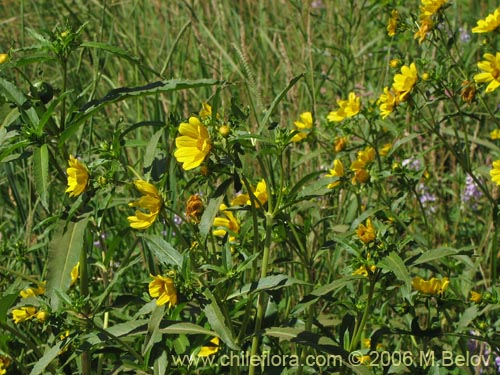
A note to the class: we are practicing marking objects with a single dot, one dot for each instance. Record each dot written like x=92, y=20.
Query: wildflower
x=194, y=208
x=32, y=292
x=423, y=29
x=495, y=134
x=426, y=198
x=75, y=271
x=432, y=286
x=394, y=63
x=4, y=364
x=468, y=92
x=22, y=314
x=4, y=57
x=366, y=233
x=475, y=297
x=41, y=316
x=495, y=172
x=490, y=23
x=229, y=222
x=413, y=164
x=337, y=171
x=393, y=23
x=150, y=202
x=206, y=111
x=306, y=122
x=431, y=7
x=361, y=176
x=387, y=102
x=471, y=193
x=385, y=149
x=78, y=177
x=491, y=71
x=193, y=145
x=210, y=349
x=340, y=143
x=363, y=270
x=163, y=288
x=348, y=108
x=260, y=193
x=224, y=130
x=404, y=82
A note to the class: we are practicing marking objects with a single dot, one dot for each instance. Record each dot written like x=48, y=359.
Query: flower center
x=495, y=73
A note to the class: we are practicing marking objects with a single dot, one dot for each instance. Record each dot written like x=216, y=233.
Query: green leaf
x=217, y=322
x=14, y=95
x=434, y=254
x=130, y=328
x=64, y=253
x=5, y=304
x=395, y=264
x=187, y=329
x=165, y=252
x=41, y=169
x=48, y=357
x=150, y=154
x=267, y=283
x=123, y=93
x=207, y=219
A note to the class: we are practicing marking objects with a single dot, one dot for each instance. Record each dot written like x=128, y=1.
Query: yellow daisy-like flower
x=404, y=82
x=229, y=222
x=206, y=111
x=393, y=23
x=163, y=288
x=363, y=270
x=361, y=176
x=433, y=286
x=475, y=297
x=42, y=316
x=387, y=102
x=305, y=123
x=4, y=364
x=385, y=149
x=366, y=233
x=33, y=292
x=22, y=314
x=75, y=271
x=78, y=177
x=150, y=202
x=347, y=108
x=4, y=57
x=340, y=143
x=337, y=171
x=431, y=7
x=193, y=145
x=260, y=193
x=210, y=349
x=491, y=71
x=495, y=134
x=194, y=208
x=495, y=172
x=490, y=23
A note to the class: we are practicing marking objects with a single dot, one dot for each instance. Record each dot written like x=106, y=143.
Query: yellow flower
x=475, y=297
x=347, y=108
x=394, y=63
x=260, y=193
x=193, y=145
x=150, y=202
x=32, y=292
x=404, y=82
x=4, y=57
x=210, y=349
x=4, y=363
x=495, y=134
x=337, y=171
x=385, y=149
x=206, y=111
x=78, y=177
x=229, y=222
x=393, y=23
x=491, y=71
x=495, y=172
x=340, y=143
x=163, y=288
x=23, y=314
x=306, y=122
x=363, y=270
x=423, y=29
x=361, y=176
x=42, y=316
x=490, y=23
x=430, y=7
x=75, y=271
x=387, y=102
x=468, y=92
x=194, y=208
x=366, y=233
x=432, y=286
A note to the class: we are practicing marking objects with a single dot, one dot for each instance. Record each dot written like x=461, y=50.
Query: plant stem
x=84, y=291
x=366, y=313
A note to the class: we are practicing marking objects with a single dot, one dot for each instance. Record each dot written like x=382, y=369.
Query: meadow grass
x=372, y=242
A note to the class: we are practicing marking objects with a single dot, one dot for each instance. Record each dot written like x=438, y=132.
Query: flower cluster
x=347, y=108
x=428, y=8
x=402, y=85
x=432, y=286
x=305, y=123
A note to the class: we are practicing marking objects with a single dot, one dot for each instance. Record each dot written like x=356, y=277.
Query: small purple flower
x=413, y=164
x=177, y=220
x=427, y=199
x=465, y=36
x=317, y=4
x=471, y=193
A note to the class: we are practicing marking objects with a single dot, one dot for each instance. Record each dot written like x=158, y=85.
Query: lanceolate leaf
x=207, y=219
x=166, y=253
x=48, y=357
x=64, y=253
x=267, y=283
x=217, y=322
x=395, y=264
x=41, y=168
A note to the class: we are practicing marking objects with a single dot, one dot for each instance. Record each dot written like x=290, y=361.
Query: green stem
x=64, y=64
x=262, y=299
x=84, y=291
x=364, y=318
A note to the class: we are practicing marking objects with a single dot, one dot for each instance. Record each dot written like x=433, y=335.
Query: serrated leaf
x=217, y=322
x=207, y=219
x=48, y=357
x=64, y=253
x=267, y=283
x=165, y=252
x=395, y=264
x=41, y=169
